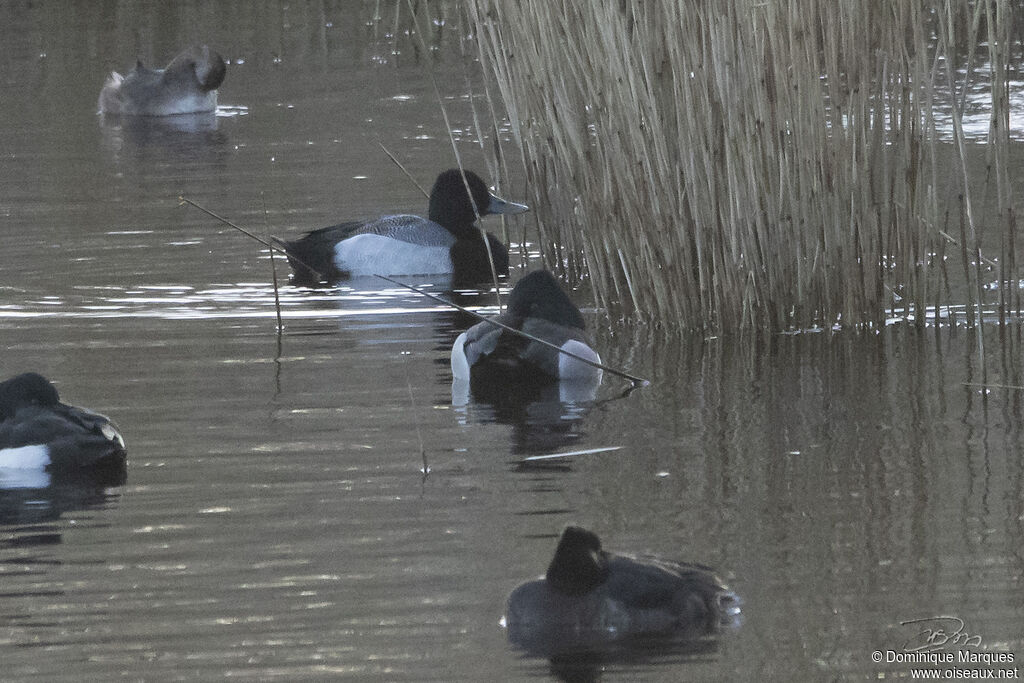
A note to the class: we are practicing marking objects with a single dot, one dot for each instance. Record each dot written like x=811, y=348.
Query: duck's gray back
x=411, y=229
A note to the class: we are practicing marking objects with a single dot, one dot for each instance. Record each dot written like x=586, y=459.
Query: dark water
x=277, y=522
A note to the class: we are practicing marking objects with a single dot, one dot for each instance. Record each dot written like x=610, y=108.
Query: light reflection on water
x=241, y=300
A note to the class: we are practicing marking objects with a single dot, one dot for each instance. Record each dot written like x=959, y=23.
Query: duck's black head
x=26, y=389
x=538, y=295
x=197, y=67
x=452, y=207
x=210, y=69
x=579, y=565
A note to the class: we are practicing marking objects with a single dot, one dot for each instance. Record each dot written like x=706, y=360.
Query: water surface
x=313, y=505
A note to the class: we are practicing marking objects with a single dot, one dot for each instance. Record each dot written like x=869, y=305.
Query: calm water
x=277, y=521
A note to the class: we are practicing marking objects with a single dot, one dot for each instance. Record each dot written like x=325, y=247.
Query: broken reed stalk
x=266, y=243
x=273, y=270
x=735, y=164
x=408, y=175
x=412, y=406
x=637, y=381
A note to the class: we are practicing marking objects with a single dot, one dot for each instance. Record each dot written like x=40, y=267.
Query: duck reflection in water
x=25, y=504
x=528, y=384
x=595, y=602
x=172, y=110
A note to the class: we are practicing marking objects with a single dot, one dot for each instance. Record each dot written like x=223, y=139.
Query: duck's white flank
x=571, y=368
x=25, y=458
x=362, y=255
x=460, y=365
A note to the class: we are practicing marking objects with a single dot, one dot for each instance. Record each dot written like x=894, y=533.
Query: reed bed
x=732, y=165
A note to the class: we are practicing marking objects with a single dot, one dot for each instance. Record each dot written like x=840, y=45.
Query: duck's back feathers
x=492, y=356
x=495, y=355
x=689, y=593
x=538, y=295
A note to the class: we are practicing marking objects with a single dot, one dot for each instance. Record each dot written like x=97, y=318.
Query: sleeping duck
x=590, y=598
x=188, y=85
x=490, y=355
x=38, y=432
x=447, y=242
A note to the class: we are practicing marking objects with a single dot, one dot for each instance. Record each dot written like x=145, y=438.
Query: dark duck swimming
x=447, y=242
x=487, y=354
x=187, y=85
x=591, y=597
x=39, y=432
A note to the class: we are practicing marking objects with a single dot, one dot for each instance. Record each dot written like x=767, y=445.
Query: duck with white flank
x=38, y=432
x=490, y=355
x=188, y=85
x=590, y=597
x=447, y=242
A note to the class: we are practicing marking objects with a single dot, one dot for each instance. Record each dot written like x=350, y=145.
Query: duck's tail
x=311, y=264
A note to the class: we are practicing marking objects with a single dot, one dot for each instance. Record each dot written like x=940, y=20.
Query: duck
x=187, y=85
x=590, y=597
x=39, y=432
x=486, y=354
x=447, y=242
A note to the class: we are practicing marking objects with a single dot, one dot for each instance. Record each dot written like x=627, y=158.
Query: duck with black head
x=447, y=242
x=590, y=598
x=39, y=432
x=187, y=85
x=490, y=356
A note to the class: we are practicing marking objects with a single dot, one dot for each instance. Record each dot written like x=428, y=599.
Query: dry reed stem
x=737, y=164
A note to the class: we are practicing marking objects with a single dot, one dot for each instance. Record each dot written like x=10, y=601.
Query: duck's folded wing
x=691, y=593
x=543, y=356
x=479, y=342
x=33, y=426
x=140, y=87
x=94, y=424
x=409, y=228
x=326, y=238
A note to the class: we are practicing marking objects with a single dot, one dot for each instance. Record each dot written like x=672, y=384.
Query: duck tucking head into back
x=187, y=85
x=590, y=598
x=39, y=432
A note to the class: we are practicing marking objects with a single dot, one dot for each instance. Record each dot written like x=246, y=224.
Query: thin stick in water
x=273, y=270
x=404, y=170
x=267, y=243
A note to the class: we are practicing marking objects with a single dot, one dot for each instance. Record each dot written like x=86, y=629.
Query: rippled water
x=314, y=505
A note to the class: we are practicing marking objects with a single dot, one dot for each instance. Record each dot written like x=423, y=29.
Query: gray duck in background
x=187, y=85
